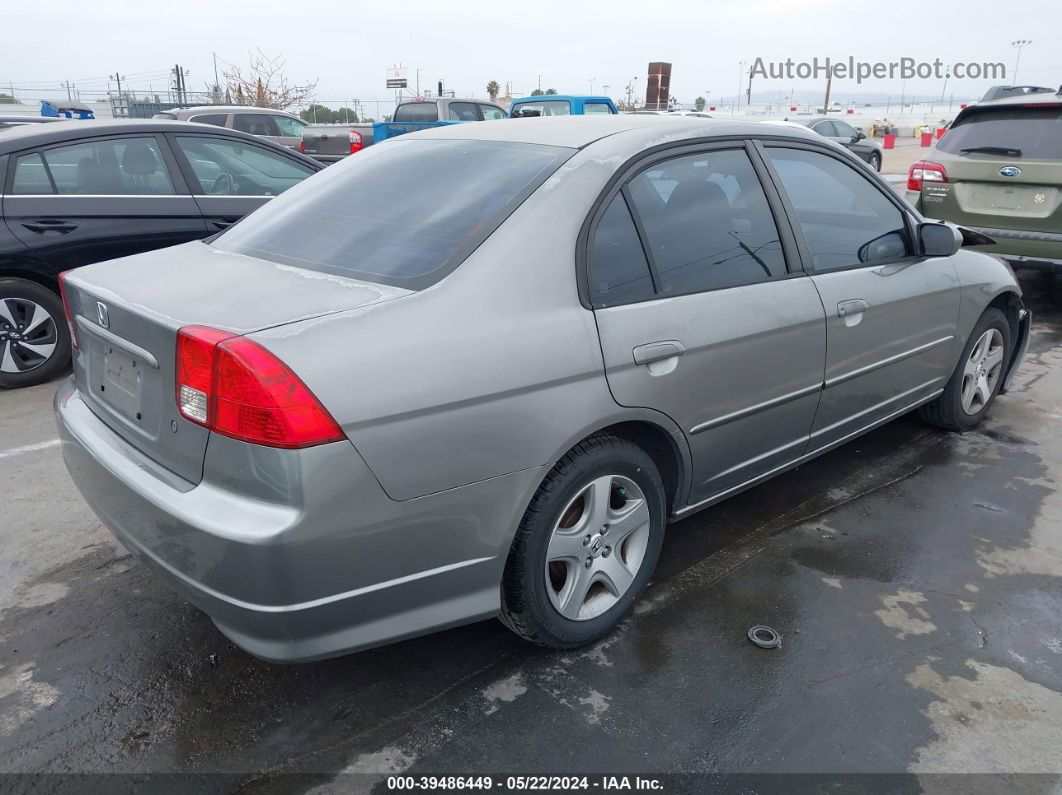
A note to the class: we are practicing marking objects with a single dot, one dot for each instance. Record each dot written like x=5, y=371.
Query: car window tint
x=463, y=111
x=289, y=127
x=1035, y=132
x=596, y=107
x=404, y=213
x=217, y=119
x=491, y=112
x=707, y=222
x=232, y=168
x=417, y=111
x=30, y=175
x=253, y=123
x=618, y=269
x=119, y=167
x=846, y=220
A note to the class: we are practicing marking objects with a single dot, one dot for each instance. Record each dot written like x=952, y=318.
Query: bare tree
x=264, y=84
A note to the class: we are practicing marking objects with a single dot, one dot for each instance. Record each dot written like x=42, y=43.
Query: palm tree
x=493, y=89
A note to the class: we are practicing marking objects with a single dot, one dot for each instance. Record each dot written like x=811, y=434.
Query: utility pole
x=829, y=84
x=66, y=84
x=748, y=94
x=741, y=72
x=121, y=109
x=217, y=83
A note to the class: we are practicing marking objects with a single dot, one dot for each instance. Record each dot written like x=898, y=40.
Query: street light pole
x=1020, y=44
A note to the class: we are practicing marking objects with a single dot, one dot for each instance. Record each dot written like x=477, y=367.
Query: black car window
x=233, y=168
x=707, y=222
x=254, y=123
x=844, y=130
x=117, y=167
x=31, y=176
x=405, y=213
x=1026, y=132
x=825, y=128
x=490, y=112
x=463, y=111
x=417, y=111
x=846, y=221
x=618, y=270
x=217, y=119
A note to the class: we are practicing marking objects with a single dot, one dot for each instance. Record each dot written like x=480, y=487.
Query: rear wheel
x=34, y=338
x=977, y=377
x=587, y=545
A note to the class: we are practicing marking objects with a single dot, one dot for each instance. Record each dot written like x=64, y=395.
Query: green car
x=998, y=171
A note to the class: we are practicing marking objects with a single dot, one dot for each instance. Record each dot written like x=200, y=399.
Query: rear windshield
x=1035, y=132
x=417, y=111
x=403, y=213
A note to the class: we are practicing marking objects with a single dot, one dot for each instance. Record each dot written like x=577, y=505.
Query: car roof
x=1038, y=98
x=32, y=135
x=575, y=132
x=226, y=109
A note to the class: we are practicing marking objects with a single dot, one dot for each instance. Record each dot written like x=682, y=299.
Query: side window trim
x=909, y=220
x=791, y=244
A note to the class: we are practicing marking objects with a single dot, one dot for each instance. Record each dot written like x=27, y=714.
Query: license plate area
x=121, y=382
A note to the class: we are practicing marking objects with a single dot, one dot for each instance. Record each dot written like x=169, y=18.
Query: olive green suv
x=998, y=171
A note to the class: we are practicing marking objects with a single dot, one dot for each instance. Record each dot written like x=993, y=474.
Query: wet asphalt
x=915, y=575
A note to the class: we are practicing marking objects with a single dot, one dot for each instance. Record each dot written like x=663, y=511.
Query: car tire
x=978, y=376
x=25, y=334
x=587, y=557
x=875, y=161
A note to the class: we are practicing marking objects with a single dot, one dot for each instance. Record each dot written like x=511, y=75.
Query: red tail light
x=924, y=171
x=66, y=310
x=355, y=141
x=302, y=147
x=237, y=388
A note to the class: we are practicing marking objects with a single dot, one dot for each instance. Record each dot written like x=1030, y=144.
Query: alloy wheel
x=982, y=371
x=597, y=547
x=28, y=335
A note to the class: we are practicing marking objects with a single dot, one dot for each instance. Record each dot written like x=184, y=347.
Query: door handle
x=657, y=351
x=50, y=225
x=853, y=306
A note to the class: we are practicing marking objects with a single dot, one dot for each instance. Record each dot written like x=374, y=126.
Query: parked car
x=537, y=344
x=7, y=121
x=560, y=105
x=998, y=171
x=73, y=193
x=273, y=125
x=425, y=112
x=330, y=143
x=851, y=138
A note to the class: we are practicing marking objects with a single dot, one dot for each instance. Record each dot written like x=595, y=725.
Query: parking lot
x=914, y=575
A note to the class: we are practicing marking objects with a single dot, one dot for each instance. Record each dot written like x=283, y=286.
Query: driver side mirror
x=938, y=239
x=859, y=136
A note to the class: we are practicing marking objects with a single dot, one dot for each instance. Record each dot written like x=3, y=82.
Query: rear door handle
x=854, y=306
x=50, y=225
x=658, y=351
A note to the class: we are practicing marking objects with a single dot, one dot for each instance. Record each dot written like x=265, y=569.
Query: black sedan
x=73, y=193
x=847, y=136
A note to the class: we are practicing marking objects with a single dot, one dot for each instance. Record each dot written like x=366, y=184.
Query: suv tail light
x=66, y=310
x=924, y=171
x=355, y=141
x=302, y=147
x=237, y=388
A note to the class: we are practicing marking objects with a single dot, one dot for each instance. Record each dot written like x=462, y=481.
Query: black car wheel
x=34, y=338
x=875, y=161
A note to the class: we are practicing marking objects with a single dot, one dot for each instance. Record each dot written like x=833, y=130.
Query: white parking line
x=30, y=448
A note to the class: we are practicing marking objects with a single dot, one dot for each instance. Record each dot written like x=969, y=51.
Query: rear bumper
x=1023, y=246
x=299, y=555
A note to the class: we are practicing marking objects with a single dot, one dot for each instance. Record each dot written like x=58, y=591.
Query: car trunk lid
x=127, y=313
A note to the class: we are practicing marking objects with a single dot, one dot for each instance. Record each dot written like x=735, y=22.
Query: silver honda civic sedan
x=475, y=371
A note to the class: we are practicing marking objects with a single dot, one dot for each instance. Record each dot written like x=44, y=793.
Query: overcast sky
x=347, y=45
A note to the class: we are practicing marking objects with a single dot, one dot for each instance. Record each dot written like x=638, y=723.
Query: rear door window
x=217, y=119
x=1033, y=133
x=31, y=177
x=417, y=111
x=846, y=221
x=254, y=123
x=619, y=272
x=118, y=167
x=403, y=214
x=707, y=222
